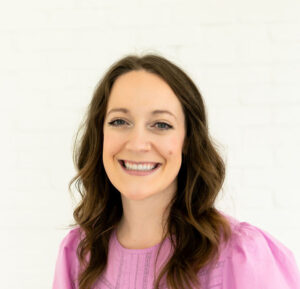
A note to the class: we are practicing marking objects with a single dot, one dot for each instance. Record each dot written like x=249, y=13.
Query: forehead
x=143, y=90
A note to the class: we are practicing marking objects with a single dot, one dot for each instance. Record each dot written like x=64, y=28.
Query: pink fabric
x=252, y=259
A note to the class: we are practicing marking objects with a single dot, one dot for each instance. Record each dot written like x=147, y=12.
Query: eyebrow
x=156, y=111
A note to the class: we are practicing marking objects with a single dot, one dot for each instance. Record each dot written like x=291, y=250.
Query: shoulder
x=71, y=238
x=257, y=259
x=66, y=268
x=252, y=238
x=249, y=238
x=68, y=245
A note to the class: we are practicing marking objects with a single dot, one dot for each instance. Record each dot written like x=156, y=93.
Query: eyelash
x=168, y=126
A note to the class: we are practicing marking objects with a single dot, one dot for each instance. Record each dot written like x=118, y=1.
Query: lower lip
x=140, y=173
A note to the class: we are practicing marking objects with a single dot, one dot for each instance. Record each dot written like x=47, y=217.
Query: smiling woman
x=148, y=176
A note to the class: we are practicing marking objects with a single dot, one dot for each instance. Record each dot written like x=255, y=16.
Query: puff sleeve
x=257, y=260
x=67, y=263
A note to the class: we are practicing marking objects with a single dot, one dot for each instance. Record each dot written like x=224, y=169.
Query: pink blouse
x=253, y=259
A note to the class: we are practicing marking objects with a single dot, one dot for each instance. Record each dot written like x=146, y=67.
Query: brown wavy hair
x=196, y=227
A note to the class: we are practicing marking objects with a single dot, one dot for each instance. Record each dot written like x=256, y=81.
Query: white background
x=244, y=56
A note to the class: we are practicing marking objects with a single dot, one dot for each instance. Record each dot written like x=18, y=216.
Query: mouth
x=122, y=162
x=138, y=172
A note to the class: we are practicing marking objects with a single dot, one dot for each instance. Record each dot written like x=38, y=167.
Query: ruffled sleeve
x=67, y=263
x=257, y=260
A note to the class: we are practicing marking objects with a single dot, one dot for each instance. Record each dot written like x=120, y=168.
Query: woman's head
x=191, y=169
x=135, y=131
x=142, y=85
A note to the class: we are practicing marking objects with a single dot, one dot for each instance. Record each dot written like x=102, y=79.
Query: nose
x=138, y=140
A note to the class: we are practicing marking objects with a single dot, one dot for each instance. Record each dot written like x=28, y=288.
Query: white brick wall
x=244, y=57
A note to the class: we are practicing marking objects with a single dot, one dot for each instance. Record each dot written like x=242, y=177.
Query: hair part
x=195, y=226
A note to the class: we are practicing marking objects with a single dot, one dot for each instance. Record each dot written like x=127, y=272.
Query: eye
x=112, y=123
x=164, y=124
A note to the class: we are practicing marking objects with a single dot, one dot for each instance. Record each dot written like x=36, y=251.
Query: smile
x=139, y=170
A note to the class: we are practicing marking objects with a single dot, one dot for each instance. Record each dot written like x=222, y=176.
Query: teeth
x=139, y=167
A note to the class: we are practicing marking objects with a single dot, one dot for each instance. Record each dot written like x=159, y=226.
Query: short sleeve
x=67, y=263
x=257, y=260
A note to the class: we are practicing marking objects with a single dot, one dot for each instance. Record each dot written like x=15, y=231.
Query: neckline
x=134, y=251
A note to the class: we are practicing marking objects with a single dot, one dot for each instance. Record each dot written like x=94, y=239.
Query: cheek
x=172, y=147
x=111, y=143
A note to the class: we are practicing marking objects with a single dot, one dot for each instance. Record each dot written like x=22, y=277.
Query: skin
x=139, y=137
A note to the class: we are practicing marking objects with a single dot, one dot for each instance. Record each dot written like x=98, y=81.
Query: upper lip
x=154, y=163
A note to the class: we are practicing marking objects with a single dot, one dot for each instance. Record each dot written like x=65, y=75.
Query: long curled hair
x=196, y=227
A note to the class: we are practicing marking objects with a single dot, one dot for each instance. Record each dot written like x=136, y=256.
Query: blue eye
x=167, y=126
x=112, y=123
x=163, y=123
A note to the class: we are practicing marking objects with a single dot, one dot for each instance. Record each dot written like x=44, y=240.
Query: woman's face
x=139, y=135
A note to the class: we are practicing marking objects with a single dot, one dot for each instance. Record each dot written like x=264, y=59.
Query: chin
x=136, y=196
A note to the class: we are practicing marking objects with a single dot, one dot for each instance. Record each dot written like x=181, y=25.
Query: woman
x=149, y=175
